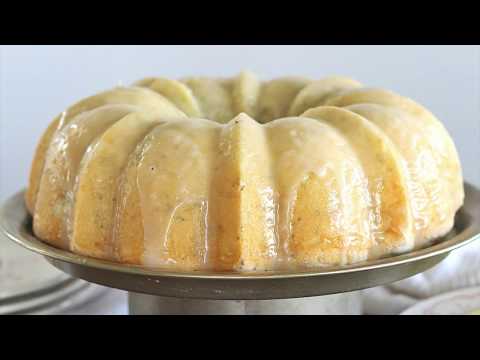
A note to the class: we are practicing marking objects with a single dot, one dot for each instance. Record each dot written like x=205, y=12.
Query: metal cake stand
x=157, y=291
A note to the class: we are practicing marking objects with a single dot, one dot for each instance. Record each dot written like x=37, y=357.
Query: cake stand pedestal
x=153, y=291
x=345, y=303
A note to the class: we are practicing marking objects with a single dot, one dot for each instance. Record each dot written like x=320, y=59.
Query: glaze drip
x=243, y=175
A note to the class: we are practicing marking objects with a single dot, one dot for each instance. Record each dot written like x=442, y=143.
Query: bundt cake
x=242, y=175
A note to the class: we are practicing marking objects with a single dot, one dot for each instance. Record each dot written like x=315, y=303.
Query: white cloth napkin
x=460, y=269
x=109, y=302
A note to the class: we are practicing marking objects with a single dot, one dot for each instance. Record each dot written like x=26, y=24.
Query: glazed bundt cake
x=241, y=175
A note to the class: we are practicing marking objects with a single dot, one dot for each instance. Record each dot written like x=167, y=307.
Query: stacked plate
x=30, y=285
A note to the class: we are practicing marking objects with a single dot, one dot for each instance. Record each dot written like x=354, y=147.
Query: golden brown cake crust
x=244, y=175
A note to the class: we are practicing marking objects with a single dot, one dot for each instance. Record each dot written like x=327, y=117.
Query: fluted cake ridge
x=239, y=174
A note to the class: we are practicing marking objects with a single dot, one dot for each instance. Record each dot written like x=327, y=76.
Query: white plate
x=23, y=272
x=30, y=285
x=459, y=302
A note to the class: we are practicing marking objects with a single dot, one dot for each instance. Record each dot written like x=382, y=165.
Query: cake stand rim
x=14, y=220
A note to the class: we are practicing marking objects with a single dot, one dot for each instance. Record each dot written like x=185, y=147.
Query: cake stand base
x=345, y=304
x=332, y=290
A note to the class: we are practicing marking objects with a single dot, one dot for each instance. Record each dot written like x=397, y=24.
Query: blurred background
x=38, y=82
